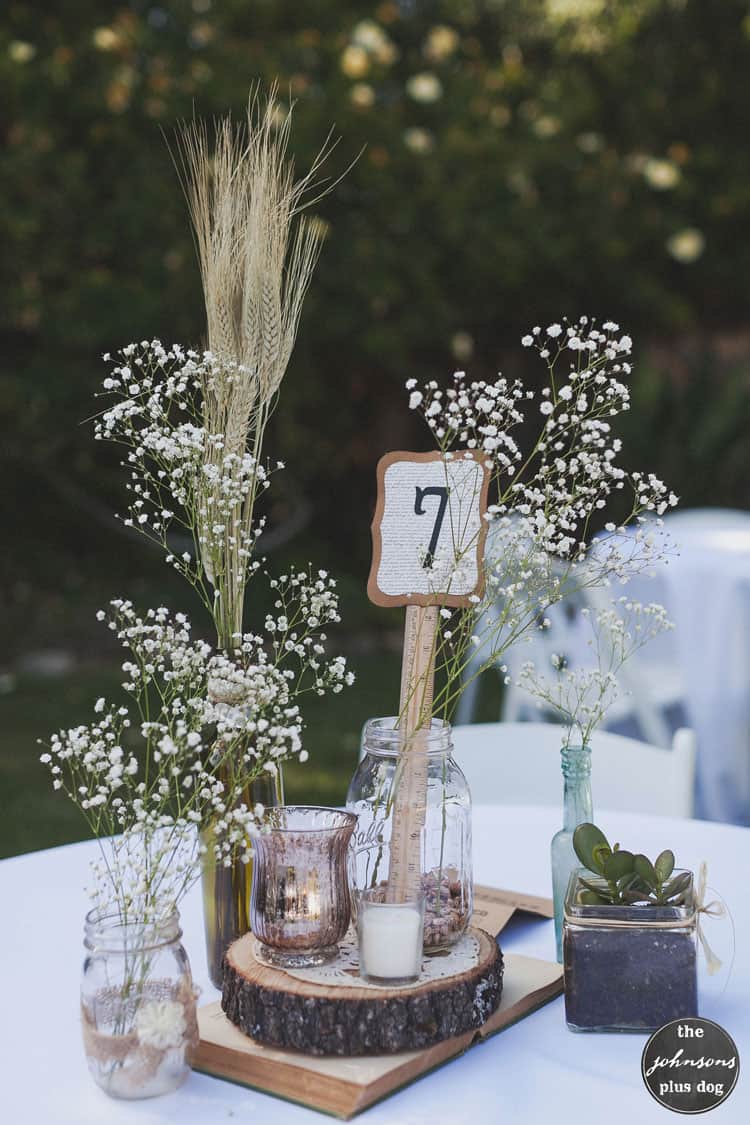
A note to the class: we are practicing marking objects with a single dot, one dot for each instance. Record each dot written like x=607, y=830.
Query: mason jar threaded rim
x=384, y=737
x=105, y=931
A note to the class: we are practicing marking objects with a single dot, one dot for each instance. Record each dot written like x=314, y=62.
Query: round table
x=535, y=1071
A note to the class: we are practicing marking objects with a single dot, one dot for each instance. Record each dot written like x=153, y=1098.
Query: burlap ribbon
x=143, y=1059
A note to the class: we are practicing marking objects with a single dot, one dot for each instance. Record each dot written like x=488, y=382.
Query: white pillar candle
x=390, y=940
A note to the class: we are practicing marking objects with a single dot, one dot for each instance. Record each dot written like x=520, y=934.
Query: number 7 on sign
x=442, y=492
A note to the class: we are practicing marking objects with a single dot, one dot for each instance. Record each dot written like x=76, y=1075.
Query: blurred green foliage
x=520, y=160
x=33, y=816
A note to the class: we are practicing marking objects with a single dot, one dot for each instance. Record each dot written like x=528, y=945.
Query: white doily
x=344, y=971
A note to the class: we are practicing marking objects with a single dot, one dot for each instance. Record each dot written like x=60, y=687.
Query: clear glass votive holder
x=389, y=935
x=300, y=906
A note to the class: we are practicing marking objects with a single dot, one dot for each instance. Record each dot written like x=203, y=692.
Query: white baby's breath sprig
x=581, y=697
x=186, y=480
x=565, y=514
x=198, y=728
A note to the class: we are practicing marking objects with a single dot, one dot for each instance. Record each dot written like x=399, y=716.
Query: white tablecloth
x=535, y=1071
x=707, y=594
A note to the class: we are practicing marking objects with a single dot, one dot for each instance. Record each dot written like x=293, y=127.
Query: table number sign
x=428, y=531
x=428, y=537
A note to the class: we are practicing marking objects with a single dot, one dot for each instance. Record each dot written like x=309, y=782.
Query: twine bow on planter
x=717, y=908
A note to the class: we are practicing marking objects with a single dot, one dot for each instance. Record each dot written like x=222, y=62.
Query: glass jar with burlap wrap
x=138, y=1005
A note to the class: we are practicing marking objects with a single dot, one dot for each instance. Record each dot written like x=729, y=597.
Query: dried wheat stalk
x=257, y=253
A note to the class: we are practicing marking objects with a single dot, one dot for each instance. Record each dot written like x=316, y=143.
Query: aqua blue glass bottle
x=577, y=809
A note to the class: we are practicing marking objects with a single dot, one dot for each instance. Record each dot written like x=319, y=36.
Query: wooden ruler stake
x=415, y=715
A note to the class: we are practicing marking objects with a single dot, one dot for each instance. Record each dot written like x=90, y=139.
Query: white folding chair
x=519, y=764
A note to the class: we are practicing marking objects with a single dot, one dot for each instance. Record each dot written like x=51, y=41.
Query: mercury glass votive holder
x=300, y=904
x=389, y=936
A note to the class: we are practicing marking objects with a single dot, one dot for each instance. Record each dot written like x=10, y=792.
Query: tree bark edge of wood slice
x=276, y=1009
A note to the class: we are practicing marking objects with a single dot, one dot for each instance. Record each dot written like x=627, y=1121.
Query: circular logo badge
x=690, y=1065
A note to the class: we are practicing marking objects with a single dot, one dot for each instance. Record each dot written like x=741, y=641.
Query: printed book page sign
x=429, y=529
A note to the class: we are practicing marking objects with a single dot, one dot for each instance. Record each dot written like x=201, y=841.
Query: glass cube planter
x=628, y=968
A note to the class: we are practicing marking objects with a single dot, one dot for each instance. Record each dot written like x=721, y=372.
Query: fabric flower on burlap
x=161, y=1024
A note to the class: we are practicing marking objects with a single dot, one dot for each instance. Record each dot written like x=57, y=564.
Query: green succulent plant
x=627, y=878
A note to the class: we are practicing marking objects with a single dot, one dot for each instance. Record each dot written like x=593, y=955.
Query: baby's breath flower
x=549, y=496
x=581, y=696
x=144, y=808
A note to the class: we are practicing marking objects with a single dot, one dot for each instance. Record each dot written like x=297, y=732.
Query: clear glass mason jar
x=138, y=1007
x=446, y=864
x=628, y=968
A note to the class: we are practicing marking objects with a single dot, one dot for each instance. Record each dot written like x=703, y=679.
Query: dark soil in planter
x=628, y=979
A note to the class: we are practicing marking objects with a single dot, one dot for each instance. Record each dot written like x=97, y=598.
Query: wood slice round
x=277, y=1009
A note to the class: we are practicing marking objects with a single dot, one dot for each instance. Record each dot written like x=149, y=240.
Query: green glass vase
x=577, y=809
x=226, y=890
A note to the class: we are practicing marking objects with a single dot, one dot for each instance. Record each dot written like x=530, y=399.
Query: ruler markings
x=415, y=714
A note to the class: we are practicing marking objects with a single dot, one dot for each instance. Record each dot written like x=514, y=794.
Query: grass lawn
x=33, y=816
